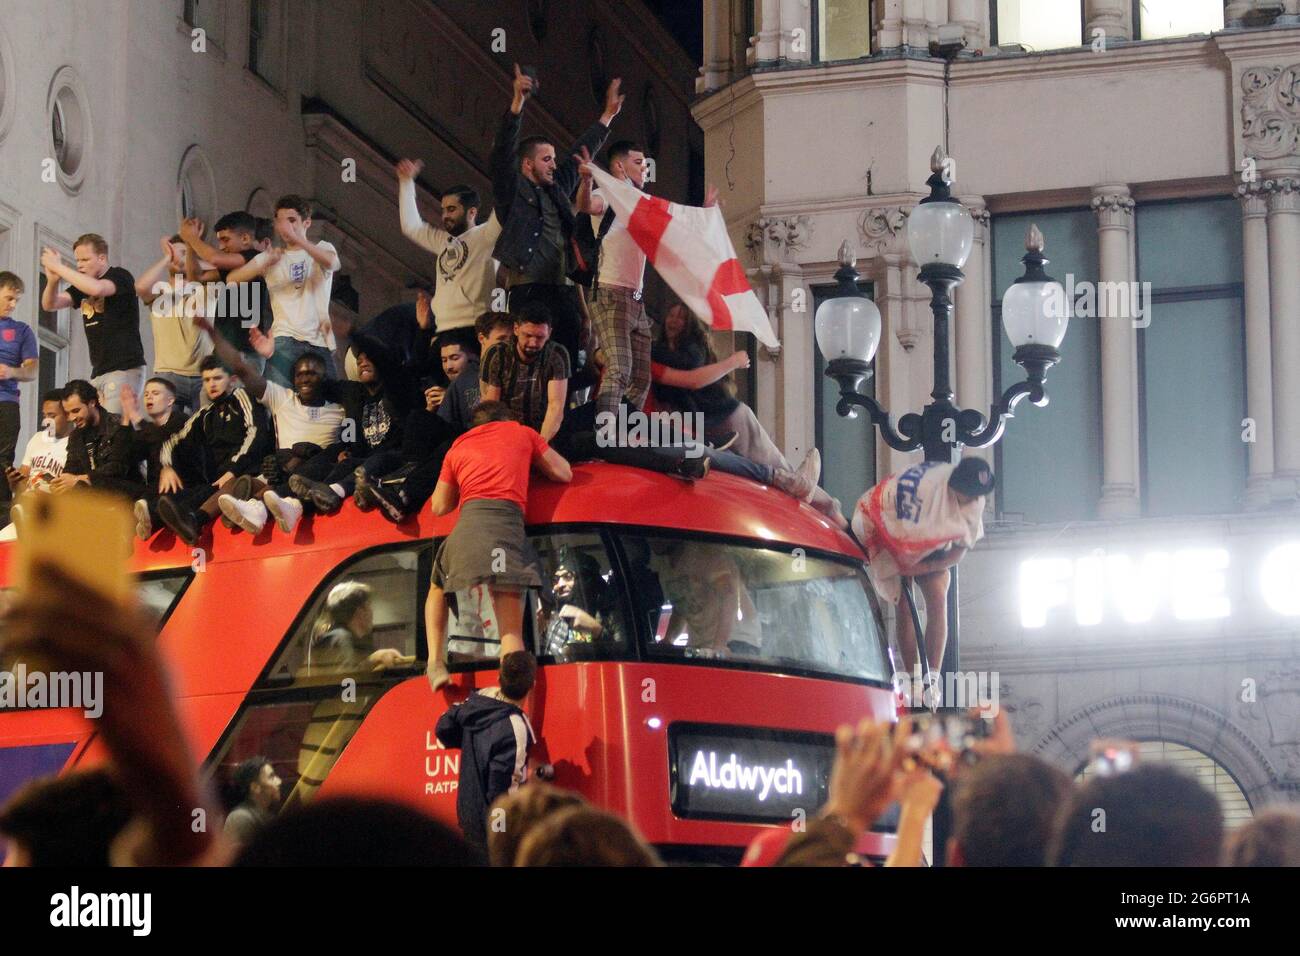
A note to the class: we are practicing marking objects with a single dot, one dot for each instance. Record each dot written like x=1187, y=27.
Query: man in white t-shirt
x=298, y=278
x=47, y=450
x=308, y=427
x=466, y=270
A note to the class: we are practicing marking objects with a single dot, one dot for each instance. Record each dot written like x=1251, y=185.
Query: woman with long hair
x=688, y=377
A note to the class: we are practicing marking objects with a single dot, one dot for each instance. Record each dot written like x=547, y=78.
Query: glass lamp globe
x=940, y=232
x=848, y=327
x=1035, y=310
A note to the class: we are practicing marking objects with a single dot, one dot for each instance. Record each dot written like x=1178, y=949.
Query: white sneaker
x=249, y=515
x=286, y=511
x=143, y=523
x=811, y=466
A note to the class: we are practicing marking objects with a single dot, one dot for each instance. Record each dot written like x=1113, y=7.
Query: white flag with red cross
x=690, y=248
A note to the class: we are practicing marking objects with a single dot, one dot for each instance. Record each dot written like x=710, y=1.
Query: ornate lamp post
x=1035, y=313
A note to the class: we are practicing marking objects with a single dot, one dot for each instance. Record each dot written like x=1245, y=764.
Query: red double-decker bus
x=737, y=629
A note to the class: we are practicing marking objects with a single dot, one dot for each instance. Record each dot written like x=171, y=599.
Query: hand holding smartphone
x=87, y=535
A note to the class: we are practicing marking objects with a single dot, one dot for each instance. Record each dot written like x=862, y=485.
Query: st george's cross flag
x=690, y=248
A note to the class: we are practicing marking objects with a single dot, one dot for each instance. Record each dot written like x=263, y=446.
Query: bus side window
x=364, y=620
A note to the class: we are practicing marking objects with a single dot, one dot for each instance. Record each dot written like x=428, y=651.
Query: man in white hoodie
x=463, y=247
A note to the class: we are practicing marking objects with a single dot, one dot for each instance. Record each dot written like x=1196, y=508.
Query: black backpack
x=584, y=248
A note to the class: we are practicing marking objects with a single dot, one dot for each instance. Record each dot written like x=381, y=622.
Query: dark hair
x=1154, y=816
x=82, y=389
x=265, y=230
x=489, y=321
x=1003, y=809
x=95, y=241
x=1272, y=838
x=10, y=280
x=69, y=820
x=444, y=339
x=620, y=149
x=484, y=413
x=308, y=357
x=237, y=221
x=532, y=313
x=211, y=362
x=518, y=671
x=357, y=832
x=523, y=810
x=245, y=775
x=584, y=836
x=528, y=146
x=54, y=395
x=467, y=195
x=163, y=382
x=295, y=202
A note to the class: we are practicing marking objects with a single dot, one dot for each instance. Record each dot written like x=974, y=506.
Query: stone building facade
x=1149, y=510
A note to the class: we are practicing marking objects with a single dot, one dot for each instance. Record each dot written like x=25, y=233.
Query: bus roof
x=600, y=493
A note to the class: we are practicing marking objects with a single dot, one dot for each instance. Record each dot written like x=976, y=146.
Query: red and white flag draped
x=690, y=248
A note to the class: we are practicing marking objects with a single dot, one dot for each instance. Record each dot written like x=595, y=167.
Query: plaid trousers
x=623, y=329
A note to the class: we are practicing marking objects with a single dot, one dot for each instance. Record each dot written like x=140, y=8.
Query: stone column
x=1119, y=490
x=915, y=34
x=889, y=24
x=1259, y=359
x=796, y=15
x=974, y=337
x=767, y=46
x=798, y=362
x=715, y=71
x=936, y=15
x=1113, y=16
x=1284, y=300
x=973, y=15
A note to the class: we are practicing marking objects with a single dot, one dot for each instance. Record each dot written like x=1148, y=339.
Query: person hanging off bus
x=494, y=737
x=918, y=524
x=486, y=473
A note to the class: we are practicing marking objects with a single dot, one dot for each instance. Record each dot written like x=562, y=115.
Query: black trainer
x=691, y=469
x=186, y=526
x=363, y=496
x=323, y=498
x=391, y=502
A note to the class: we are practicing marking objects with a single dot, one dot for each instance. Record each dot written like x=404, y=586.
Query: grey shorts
x=487, y=546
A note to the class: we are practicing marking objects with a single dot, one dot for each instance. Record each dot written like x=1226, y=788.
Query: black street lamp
x=940, y=233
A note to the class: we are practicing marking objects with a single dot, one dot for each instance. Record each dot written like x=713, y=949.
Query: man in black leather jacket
x=533, y=192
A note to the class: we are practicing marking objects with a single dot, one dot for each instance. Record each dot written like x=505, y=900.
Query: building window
x=264, y=48
x=1208, y=771
x=196, y=190
x=538, y=13
x=7, y=81
x=843, y=30
x=650, y=117
x=53, y=339
x=1192, y=357
x=848, y=445
x=205, y=15
x=1038, y=24
x=1049, y=461
x=260, y=204
x=1158, y=19
x=69, y=128
x=596, y=64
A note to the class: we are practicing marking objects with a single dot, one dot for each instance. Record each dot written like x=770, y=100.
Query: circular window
x=538, y=11
x=260, y=204
x=196, y=188
x=596, y=62
x=6, y=85
x=69, y=128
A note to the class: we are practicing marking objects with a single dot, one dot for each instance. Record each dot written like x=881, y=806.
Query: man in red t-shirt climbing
x=486, y=473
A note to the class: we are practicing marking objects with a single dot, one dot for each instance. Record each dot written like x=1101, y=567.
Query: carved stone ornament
x=882, y=226
x=779, y=236
x=1270, y=111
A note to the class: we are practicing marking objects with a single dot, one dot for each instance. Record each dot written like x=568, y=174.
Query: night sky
x=685, y=21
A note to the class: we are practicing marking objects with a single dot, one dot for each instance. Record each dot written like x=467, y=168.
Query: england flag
x=690, y=248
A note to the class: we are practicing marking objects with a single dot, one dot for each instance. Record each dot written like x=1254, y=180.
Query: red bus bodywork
x=591, y=717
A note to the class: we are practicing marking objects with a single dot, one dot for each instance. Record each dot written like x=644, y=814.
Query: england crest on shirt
x=298, y=273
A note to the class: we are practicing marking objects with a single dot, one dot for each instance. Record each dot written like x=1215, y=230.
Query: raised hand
x=191, y=229
x=261, y=343
x=613, y=100
x=422, y=312
x=583, y=159
x=739, y=359
x=50, y=261
x=523, y=87
x=409, y=168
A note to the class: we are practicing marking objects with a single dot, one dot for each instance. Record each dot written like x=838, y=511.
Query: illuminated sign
x=735, y=773
x=1187, y=584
